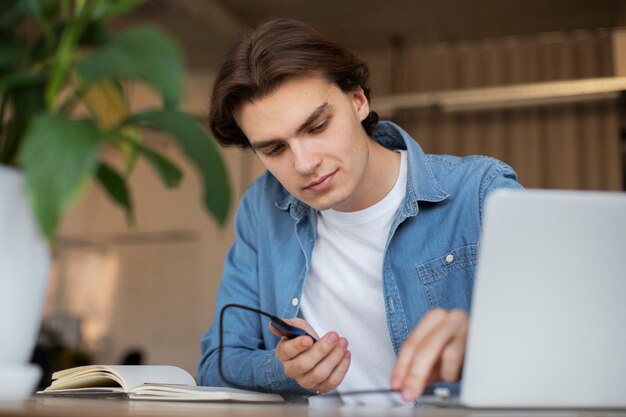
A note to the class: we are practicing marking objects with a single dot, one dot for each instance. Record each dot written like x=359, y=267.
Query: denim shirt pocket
x=448, y=279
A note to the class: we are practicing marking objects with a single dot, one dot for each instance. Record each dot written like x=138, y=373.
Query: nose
x=306, y=159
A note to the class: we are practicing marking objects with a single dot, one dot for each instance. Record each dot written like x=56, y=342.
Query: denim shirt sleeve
x=500, y=175
x=247, y=360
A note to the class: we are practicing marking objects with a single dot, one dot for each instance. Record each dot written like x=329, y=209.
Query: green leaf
x=58, y=156
x=95, y=35
x=7, y=6
x=42, y=11
x=115, y=186
x=107, y=9
x=198, y=146
x=9, y=146
x=132, y=135
x=144, y=53
x=63, y=59
x=21, y=79
x=10, y=52
x=12, y=12
x=27, y=97
x=169, y=173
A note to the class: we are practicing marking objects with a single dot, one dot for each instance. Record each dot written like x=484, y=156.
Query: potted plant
x=63, y=99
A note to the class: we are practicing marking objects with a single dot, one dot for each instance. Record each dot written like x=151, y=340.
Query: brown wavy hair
x=266, y=57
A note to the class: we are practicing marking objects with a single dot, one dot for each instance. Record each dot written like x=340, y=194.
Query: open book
x=144, y=382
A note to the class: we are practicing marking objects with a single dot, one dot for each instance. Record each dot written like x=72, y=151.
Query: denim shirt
x=429, y=260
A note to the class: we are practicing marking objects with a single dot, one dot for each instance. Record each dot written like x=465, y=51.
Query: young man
x=353, y=233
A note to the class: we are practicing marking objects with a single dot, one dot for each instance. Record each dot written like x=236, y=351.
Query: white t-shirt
x=343, y=290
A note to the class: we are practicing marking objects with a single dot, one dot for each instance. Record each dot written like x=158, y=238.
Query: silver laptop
x=548, y=320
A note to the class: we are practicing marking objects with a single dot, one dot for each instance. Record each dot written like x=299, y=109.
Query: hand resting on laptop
x=434, y=351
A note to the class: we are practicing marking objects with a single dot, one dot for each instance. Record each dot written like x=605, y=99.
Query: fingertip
x=269, y=325
x=333, y=337
x=409, y=394
x=396, y=383
x=306, y=341
x=398, y=375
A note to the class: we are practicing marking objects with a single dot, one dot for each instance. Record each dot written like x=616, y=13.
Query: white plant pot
x=24, y=266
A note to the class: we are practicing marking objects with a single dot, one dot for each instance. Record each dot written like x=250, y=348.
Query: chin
x=326, y=203
x=314, y=204
x=321, y=207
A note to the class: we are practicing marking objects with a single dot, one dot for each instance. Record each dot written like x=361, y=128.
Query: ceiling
x=206, y=27
x=372, y=23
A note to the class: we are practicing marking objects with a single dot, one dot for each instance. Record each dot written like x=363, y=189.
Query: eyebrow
x=312, y=117
x=308, y=122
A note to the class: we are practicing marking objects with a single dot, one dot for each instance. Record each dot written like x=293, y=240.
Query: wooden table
x=89, y=407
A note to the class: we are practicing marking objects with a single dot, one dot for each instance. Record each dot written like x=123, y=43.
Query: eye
x=275, y=150
x=320, y=127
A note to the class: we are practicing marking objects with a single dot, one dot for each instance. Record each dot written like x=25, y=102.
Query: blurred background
x=460, y=75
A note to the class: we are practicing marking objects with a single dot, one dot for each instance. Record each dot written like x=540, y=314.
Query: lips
x=321, y=184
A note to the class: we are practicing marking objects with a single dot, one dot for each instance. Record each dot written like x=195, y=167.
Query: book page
x=126, y=376
x=183, y=393
x=136, y=375
x=84, y=377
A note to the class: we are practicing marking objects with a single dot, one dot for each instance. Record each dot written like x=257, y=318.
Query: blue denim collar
x=421, y=182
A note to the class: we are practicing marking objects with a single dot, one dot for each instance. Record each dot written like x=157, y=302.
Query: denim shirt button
x=449, y=258
x=295, y=301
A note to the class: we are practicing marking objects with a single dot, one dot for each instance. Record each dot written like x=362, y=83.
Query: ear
x=360, y=103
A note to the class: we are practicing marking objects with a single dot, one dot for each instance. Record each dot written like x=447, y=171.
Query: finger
x=273, y=329
x=324, y=368
x=285, y=352
x=302, y=324
x=296, y=322
x=337, y=375
x=452, y=357
x=305, y=361
x=429, y=352
x=429, y=322
x=289, y=349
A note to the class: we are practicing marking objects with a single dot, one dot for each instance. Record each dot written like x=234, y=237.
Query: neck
x=383, y=168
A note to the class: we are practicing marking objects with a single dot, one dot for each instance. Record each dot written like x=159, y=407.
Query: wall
x=565, y=146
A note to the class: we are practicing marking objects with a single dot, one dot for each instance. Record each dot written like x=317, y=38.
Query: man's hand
x=433, y=351
x=318, y=366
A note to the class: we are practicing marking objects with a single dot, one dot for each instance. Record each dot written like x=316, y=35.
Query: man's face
x=308, y=134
